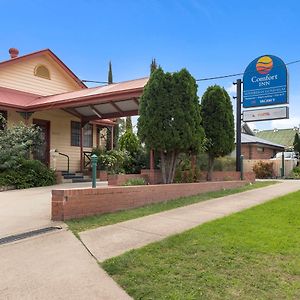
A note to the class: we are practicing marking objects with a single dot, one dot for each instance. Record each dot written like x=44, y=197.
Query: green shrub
x=135, y=181
x=263, y=170
x=30, y=173
x=224, y=164
x=17, y=142
x=221, y=164
x=296, y=173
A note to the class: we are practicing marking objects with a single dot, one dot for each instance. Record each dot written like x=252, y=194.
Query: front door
x=42, y=153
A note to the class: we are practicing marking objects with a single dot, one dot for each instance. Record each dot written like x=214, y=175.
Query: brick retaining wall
x=77, y=203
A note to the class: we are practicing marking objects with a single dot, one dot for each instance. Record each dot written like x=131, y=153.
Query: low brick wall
x=121, y=179
x=229, y=175
x=77, y=203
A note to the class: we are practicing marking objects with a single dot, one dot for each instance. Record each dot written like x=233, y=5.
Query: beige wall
x=20, y=76
x=60, y=135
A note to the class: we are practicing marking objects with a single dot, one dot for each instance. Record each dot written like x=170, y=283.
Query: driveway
x=25, y=210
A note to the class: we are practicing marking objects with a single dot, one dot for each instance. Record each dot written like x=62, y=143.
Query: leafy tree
x=296, y=143
x=218, y=123
x=170, y=118
x=129, y=142
x=16, y=143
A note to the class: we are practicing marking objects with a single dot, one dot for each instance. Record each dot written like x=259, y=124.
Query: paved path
x=109, y=241
x=24, y=210
x=53, y=266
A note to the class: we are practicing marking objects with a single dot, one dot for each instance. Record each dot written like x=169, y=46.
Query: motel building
x=38, y=88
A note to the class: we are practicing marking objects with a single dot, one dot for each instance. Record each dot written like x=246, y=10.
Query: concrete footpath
x=113, y=240
x=53, y=266
x=29, y=209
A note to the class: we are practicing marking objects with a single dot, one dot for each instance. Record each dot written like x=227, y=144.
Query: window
x=42, y=71
x=260, y=149
x=3, y=114
x=87, y=134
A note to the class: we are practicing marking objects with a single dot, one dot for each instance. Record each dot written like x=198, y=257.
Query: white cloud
x=286, y=123
x=231, y=90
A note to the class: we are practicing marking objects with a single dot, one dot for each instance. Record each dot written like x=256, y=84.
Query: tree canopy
x=170, y=117
x=218, y=123
x=296, y=143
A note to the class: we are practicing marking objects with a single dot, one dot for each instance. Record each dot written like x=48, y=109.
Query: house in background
x=281, y=136
x=254, y=147
x=38, y=88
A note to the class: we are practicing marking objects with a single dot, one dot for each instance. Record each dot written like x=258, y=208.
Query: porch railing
x=68, y=158
x=87, y=159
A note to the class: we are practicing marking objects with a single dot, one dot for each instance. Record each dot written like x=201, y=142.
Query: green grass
x=78, y=225
x=254, y=254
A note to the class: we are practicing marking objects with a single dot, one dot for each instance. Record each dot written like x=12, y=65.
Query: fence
x=277, y=164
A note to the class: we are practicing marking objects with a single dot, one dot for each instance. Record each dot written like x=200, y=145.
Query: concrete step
x=72, y=176
x=75, y=180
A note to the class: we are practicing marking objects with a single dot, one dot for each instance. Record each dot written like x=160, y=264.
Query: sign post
x=238, y=141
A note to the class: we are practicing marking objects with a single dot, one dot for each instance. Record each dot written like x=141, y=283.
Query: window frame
x=86, y=128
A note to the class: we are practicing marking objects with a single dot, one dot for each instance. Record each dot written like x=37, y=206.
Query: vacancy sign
x=266, y=114
x=265, y=82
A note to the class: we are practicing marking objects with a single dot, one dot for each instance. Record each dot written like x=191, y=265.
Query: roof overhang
x=104, y=102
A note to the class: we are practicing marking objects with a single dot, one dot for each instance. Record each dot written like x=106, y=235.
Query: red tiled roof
x=91, y=93
x=53, y=56
x=24, y=100
x=15, y=99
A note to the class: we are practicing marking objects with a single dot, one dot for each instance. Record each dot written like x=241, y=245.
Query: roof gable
x=18, y=73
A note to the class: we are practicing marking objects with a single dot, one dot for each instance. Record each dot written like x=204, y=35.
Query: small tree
x=128, y=124
x=170, y=118
x=218, y=123
x=296, y=143
x=16, y=142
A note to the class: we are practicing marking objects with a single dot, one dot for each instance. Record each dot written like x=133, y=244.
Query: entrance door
x=42, y=153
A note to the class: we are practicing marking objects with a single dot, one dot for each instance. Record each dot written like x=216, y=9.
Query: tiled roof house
x=38, y=88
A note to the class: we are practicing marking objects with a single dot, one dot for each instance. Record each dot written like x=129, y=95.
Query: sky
x=209, y=38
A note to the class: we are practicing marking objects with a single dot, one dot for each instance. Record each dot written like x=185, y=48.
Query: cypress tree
x=170, y=118
x=110, y=75
x=153, y=66
x=218, y=123
x=128, y=124
x=296, y=143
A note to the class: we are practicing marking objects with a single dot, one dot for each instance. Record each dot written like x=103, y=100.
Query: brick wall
x=121, y=179
x=254, y=151
x=229, y=175
x=77, y=203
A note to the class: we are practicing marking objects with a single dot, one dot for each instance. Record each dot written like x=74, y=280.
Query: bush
x=135, y=181
x=30, y=173
x=296, y=173
x=263, y=170
x=16, y=142
x=221, y=164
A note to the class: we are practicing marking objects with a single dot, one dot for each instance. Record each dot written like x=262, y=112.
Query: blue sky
x=209, y=38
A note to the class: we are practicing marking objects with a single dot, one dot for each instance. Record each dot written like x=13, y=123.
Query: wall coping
x=98, y=190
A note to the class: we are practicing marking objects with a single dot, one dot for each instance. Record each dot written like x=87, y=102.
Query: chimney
x=14, y=52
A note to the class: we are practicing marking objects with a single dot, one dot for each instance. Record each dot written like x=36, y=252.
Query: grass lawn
x=78, y=225
x=254, y=254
